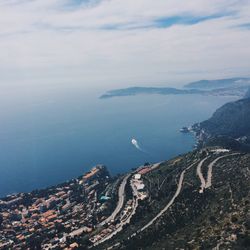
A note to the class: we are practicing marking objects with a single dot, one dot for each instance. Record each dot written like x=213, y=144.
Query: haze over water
x=53, y=134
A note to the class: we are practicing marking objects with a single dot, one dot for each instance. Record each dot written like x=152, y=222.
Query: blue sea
x=51, y=134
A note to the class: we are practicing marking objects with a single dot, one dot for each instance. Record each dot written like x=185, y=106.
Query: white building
x=137, y=176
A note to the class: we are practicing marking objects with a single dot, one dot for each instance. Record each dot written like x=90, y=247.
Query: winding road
x=210, y=169
x=199, y=173
x=208, y=183
x=204, y=184
x=121, y=197
x=179, y=186
x=118, y=208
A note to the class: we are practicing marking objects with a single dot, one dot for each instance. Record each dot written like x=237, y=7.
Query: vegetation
x=248, y=94
x=228, y=127
x=234, y=86
x=220, y=83
x=215, y=218
x=232, y=119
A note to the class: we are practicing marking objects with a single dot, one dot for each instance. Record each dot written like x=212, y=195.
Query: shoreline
x=190, y=133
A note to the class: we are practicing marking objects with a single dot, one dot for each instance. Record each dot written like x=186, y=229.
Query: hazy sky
x=107, y=43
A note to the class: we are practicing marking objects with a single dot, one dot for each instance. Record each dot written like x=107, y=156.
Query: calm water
x=50, y=135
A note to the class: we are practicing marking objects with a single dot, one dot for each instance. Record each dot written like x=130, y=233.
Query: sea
x=52, y=134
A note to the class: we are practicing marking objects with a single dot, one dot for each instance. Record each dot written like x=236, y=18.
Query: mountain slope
x=219, y=83
x=180, y=213
x=232, y=119
x=230, y=125
x=248, y=94
x=148, y=90
x=233, y=86
x=219, y=218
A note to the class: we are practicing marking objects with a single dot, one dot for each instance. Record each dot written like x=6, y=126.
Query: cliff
x=230, y=125
x=247, y=94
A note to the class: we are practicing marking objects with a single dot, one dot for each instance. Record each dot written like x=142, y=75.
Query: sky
x=120, y=43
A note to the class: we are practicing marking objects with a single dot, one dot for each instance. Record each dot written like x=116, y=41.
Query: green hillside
x=194, y=218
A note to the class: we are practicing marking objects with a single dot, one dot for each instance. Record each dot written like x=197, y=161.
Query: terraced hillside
x=197, y=201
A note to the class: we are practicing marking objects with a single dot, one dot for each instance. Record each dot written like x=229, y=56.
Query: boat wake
x=137, y=145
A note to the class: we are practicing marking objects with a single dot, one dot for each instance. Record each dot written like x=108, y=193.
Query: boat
x=184, y=130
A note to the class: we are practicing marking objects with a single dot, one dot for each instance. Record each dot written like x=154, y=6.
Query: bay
x=50, y=135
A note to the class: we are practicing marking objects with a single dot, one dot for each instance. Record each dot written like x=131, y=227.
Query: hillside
x=199, y=200
x=231, y=121
x=247, y=95
x=219, y=83
x=148, y=90
x=196, y=201
x=223, y=87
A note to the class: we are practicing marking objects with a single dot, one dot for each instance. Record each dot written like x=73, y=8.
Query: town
x=54, y=217
x=84, y=211
x=97, y=211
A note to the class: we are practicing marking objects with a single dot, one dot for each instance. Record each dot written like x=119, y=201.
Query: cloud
x=244, y=26
x=185, y=20
x=118, y=42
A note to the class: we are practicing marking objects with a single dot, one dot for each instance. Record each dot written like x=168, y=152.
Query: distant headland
x=221, y=87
